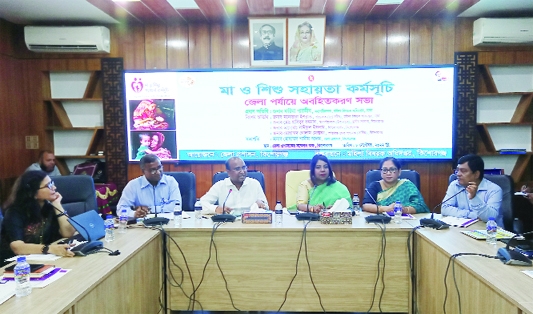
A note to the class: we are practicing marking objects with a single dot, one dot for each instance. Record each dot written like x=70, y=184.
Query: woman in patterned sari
x=391, y=188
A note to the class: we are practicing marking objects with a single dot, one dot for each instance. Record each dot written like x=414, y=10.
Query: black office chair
x=187, y=183
x=256, y=174
x=506, y=183
x=78, y=193
x=411, y=175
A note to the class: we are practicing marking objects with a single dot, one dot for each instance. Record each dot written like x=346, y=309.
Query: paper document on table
x=7, y=290
x=36, y=257
x=482, y=234
x=528, y=272
x=459, y=222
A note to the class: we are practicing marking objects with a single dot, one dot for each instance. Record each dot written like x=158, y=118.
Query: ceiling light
x=286, y=3
x=183, y=4
x=388, y=2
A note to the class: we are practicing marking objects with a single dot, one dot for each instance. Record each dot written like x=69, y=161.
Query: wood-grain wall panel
x=375, y=43
x=221, y=46
x=332, y=45
x=443, y=42
x=353, y=38
x=199, y=46
x=463, y=34
x=155, y=46
x=178, y=46
x=129, y=44
x=398, y=42
x=241, y=46
x=420, y=41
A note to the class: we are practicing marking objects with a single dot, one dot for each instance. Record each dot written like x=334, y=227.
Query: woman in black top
x=34, y=218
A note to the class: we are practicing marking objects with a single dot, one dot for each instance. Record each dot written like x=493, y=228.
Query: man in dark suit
x=269, y=50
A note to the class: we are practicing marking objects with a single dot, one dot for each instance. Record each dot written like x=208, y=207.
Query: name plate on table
x=257, y=218
x=336, y=218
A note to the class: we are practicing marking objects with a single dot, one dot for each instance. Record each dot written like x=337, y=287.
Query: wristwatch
x=45, y=249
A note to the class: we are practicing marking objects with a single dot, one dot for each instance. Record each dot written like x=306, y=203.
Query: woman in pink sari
x=156, y=144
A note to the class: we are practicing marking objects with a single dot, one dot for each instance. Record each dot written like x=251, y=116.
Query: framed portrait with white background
x=267, y=41
x=306, y=40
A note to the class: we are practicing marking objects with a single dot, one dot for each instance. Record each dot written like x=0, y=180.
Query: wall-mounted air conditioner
x=71, y=39
x=503, y=31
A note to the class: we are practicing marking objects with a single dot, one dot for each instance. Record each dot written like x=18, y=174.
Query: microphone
x=512, y=257
x=156, y=221
x=435, y=223
x=224, y=217
x=378, y=218
x=307, y=215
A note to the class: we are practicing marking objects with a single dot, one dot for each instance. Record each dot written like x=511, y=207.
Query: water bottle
x=198, y=210
x=278, y=210
x=123, y=221
x=398, y=212
x=178, y=217
x=22, y=277
x=492, y=229
x=109, y=228
x=355, y=203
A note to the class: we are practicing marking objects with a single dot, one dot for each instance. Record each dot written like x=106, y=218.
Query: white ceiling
x=29, y=12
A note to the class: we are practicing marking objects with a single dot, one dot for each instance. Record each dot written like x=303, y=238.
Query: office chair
x=506, y=183
x=293, y=178
x=256, y=174
x=411, y=175
x=78, y=193
x=187, y=184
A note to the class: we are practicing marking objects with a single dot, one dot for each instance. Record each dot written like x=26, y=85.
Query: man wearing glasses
x=477, y=197
x=150, y=192
x=236, y=192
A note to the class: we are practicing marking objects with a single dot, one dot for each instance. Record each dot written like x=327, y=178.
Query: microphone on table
x=378, y=218
x=435, y=223
x=156, y=221
x=224, y=217
x=307, y=215
x=512, y=257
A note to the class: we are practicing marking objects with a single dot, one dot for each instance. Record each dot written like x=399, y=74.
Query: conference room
x=489, y=114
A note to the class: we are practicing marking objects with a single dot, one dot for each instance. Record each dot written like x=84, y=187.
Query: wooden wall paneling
x=438, y=174
x=7, y=30
x=524, y=56
x=129, y=43
x=134, y=171
x=156, y=46
x=221, y=46
x=274, y=187
x=241, y=46
x=398, y=42
x=204, y=178
x=420, y=41
x=199, y=46
x=443, y=46
x=351, y=175
x=178, y=46
x=57, y=65
x=333, y=45
x=375, y=43
x=353, y=38
x=464, y=28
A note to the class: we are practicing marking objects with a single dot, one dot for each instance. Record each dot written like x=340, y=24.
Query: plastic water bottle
x=178, y=217
x=198, y=210
x=109, y=228
x=279, y=213
x=492, y=229
x=398, y=212
x=355, y=203
x=123, y=221
x=22, y=277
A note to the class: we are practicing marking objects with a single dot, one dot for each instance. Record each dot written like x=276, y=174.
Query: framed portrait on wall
x=306, y=40
x=267, y=41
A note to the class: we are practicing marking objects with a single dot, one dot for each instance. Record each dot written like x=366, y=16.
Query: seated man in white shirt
x=478, y=197
x=236, y=192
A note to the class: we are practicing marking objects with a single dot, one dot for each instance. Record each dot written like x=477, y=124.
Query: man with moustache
x=154, y=188
x=480, y=199
x=46, y=163
x=236, y=192
x=269, y=50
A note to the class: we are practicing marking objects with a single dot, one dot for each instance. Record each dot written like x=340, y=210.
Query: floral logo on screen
x=440, y=77
x=137, y=85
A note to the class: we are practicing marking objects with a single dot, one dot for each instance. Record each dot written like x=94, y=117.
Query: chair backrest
x=78, y=193
x=293, y=178
x=187, y=184
x=256, y=174
x=375, y=175
x=506, y=183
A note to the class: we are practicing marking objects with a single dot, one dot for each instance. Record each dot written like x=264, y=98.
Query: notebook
x=89, y=224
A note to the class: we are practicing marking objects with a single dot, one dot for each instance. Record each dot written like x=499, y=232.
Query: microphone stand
x=307, y=215
x=96, y=244
x=156, y=221
x=378, y=218
x=224, y=217
x=512, y=257
x=435, y=223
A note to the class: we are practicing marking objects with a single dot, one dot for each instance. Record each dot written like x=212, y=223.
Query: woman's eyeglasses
x=391, y=170
x=50, y=185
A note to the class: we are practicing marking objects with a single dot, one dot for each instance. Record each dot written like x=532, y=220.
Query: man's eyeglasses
x=49, y=185
x=156, y=170
x=391, y=170
x=461, y=170
x=239, y=169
